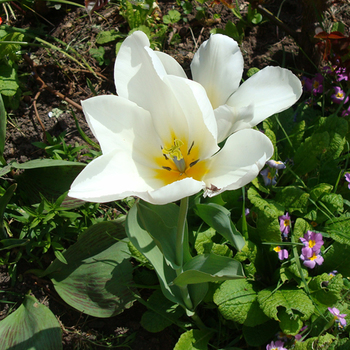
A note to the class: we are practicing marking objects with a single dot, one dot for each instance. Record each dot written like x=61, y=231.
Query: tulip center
x=180, y=160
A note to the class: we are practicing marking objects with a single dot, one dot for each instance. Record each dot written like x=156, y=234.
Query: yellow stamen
x=312, y=243
x=314, y=256
x=174, y=151
x=277, y=249
x=286, y=222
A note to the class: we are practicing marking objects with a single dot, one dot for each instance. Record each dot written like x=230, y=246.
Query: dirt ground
x=264, y=44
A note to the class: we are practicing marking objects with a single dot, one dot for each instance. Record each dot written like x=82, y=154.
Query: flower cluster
x=311, y=252
x=347, y=178
x=331, y=85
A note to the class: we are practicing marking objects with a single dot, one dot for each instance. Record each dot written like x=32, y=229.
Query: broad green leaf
x=290, y=323
x=337, y=258
x=3, y=203
x=31, y=327
x=339, y=229
x=10, y=49
x=3, y=121
x=290, y=298
x=144, y=243
x=160, y=221
x=294, y=199
x=8, y=80
x=307, y=156
x=320, y=342
x=261, y=334
x=301, y=226
x=209, y=268
x=319, y=190
x=326, y=289
x=237, y=301
x=193, y=340
x=97, y=278
x=218, y=217
x=161, y=313
x=337, y=128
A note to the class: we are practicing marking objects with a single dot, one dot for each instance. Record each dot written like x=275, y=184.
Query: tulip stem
x=180, y=236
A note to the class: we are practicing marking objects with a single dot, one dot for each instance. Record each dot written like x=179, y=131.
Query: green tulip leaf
x=31, y=327
x=209, y=268
x=218, y=217
x=97, y=278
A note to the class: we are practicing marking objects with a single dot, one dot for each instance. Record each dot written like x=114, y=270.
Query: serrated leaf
x=108, y=36
x=339, y=229
x=294, y=199
x=319, y=190
x=290, y=324
x=307, y=156
x=337, y=257
x=97, y=278
x=161, y=313
x=209, y=268
x=32, y=327
x=268, y=212
x=248, y=255
x=326, y=289
x=290, y=298
x=237, y=301
x=205, y=245
x=218, y=217
x=193, y=340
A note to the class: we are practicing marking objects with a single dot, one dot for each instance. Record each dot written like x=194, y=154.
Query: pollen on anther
x=166, y=168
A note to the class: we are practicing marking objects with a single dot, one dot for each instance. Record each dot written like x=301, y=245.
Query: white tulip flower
x=218, y=67
x=159, y=136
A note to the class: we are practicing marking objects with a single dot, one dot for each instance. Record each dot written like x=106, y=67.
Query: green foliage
x=96, y=277
x=31, y=326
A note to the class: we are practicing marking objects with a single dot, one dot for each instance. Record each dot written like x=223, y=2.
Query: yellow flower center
x=314, y=256
x=269, y=175
x=312, y=243
x=286, y=222
x=178, y=161
x=339, y=95
x=316, y=84
x=277, y=249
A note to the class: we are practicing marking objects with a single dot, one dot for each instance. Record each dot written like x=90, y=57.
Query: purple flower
x=333, y=273
x=347, y=178
x=346, y=112
x=311, y=258
x=312, y=241
x=317, y=87
x=285, y=224
x=338, y=318
x=339, y=95
x=299, y=336
x=278, y=345
x=282, y=253
x=269, y=178
x=342, y=74
x=275, y=164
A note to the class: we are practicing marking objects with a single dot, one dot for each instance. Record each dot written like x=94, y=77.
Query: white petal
x=228, y=120
x=239, y=161
x=116, y=175
x=111, y=177
x=137, y=75
x=118, y=123
x=200, y=119
x=270, y=91
x=218, y=66
x=171, y=66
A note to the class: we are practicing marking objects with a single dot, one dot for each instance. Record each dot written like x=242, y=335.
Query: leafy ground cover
x=54, y=55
